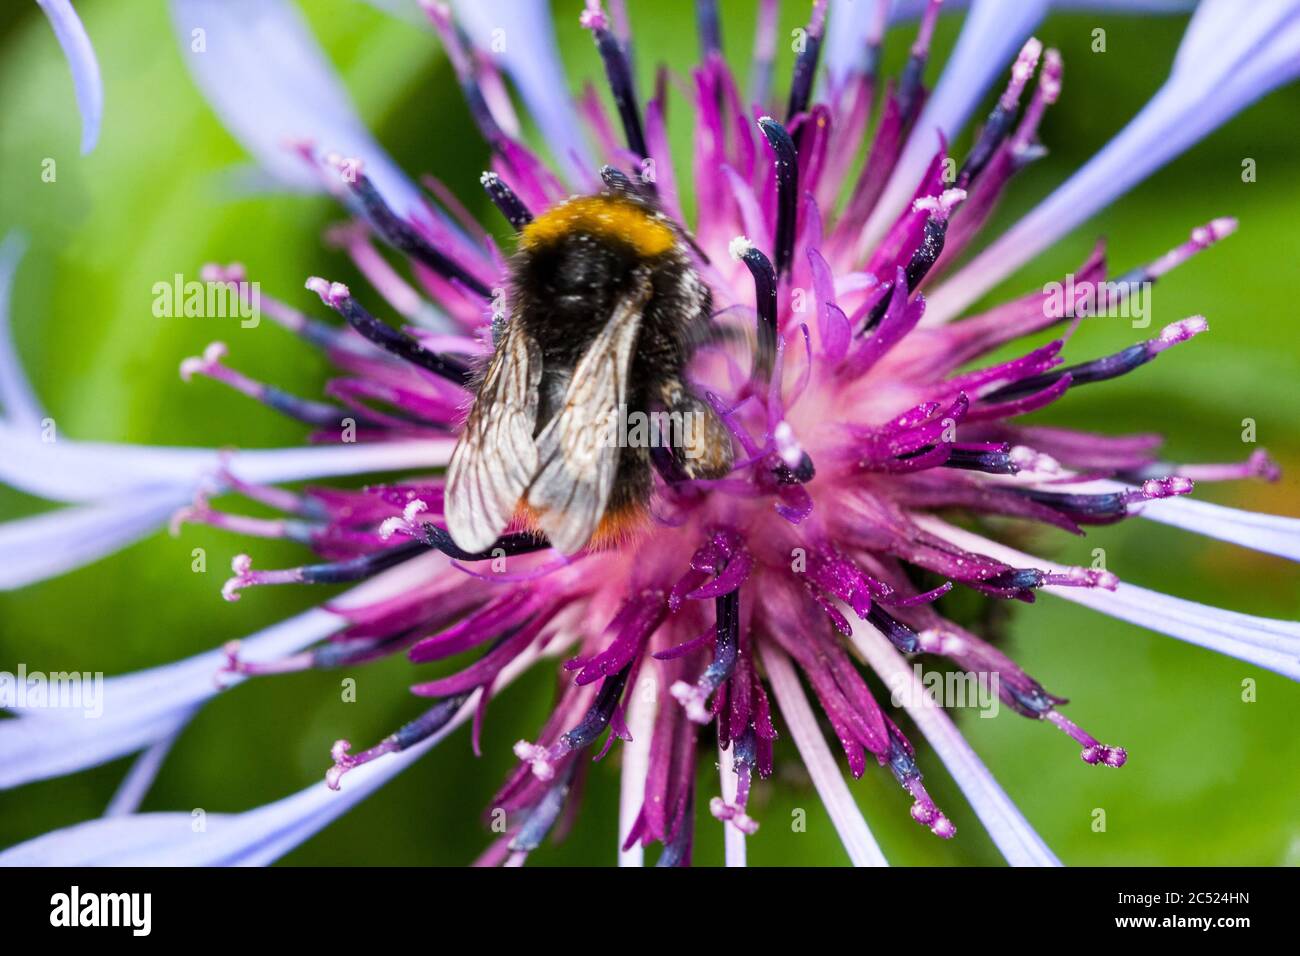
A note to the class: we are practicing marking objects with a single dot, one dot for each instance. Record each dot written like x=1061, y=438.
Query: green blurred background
x=1210, y=780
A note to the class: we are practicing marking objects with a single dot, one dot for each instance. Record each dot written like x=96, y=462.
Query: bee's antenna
x=621, y=182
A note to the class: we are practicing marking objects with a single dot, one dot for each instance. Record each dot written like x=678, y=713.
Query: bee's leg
x=699, y=441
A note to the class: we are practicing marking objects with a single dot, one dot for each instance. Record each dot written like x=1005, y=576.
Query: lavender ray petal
x=1271, y=534
x=826, y=777
x=142, y=708
x=532, y=59
x=80, y=54
x=135, y=785
x=850, y=18
x=271, y=85
x=138, y=709
x=48, y=545
x=77, y=471
x=1015, y=838
x=1251, y=56
x=18, y=402
x=733, y=840
x=992, y=33
x=1265, y=642
x=642, y=707
x=253, y=838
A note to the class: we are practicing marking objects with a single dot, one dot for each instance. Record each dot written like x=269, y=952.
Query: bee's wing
x=495, y=458
x=576, y=460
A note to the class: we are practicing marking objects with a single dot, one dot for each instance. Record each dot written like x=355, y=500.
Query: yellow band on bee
x=607, y=216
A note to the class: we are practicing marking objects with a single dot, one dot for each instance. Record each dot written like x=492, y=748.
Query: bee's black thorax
x=566, y=282
x=574, y=265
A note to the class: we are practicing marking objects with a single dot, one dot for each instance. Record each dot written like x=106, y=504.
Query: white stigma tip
x=1222, y=227
x=593, y=17
x=930, y=639
x=950, y=198
x=787, y=446
x=330, y=292
x=740, y=247
x=941, y=205
x=692, y=699
x=1027, y=459
x=1183, y=330
x=1027, y=59
x=1166, y=487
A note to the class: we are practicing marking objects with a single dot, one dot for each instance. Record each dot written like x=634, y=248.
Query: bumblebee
x=606, y=310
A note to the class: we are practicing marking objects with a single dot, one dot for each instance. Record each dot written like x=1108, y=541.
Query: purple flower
x=862, y=419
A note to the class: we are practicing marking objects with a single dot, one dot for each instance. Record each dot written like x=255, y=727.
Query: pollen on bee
x=610, y=217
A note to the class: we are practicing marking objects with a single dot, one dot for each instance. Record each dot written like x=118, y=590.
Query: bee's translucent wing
x=495, y=458
x=577, y=460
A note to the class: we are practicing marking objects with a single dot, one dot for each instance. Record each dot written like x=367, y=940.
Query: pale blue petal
x=253, y=838
x=142, y=708
x=268, y=80
x=1127, y=6
x=47, y=545
x=1271, y=534
x=532, y=60
x=98, y=842
x=1237, y=60
x=850, y=20
x=76, y=471
x=18, y=403
x=994, y=30
x=1271, y=644
x=34, y=748
x=139, y=779
x=128, y=491
x=85, y=68
x=825, y=773
x=1013, y=835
